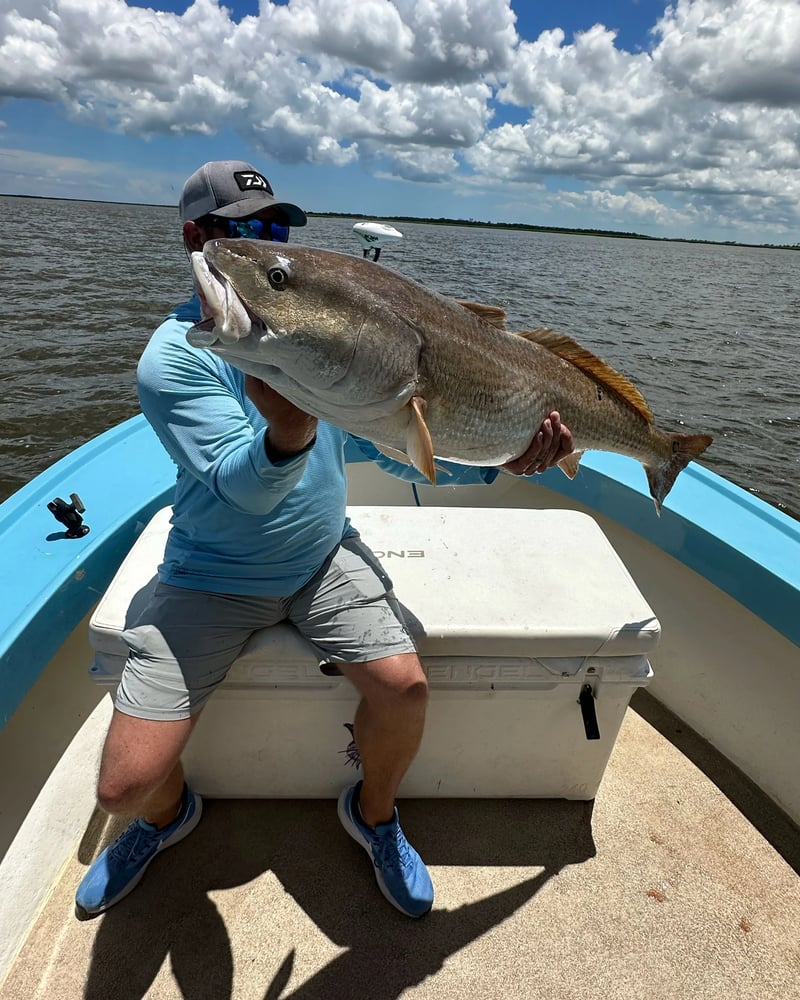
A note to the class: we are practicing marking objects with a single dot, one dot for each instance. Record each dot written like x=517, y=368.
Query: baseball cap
x=230, y=189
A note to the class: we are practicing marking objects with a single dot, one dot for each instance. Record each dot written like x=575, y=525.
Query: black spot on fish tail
x=661, y=477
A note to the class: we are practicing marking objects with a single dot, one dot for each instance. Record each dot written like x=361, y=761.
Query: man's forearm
x=281, y=447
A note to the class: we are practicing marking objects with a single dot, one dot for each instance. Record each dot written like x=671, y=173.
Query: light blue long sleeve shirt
x=241, y=524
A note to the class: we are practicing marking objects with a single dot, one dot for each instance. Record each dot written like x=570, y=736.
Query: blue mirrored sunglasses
x=255, y=229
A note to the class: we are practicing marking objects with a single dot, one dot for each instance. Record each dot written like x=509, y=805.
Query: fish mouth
x=225, y=317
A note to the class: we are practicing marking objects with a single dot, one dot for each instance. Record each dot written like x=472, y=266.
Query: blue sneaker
x=400, y=871
x=119, y=868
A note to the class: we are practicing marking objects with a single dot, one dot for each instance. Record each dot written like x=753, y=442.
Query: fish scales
x=387, y=359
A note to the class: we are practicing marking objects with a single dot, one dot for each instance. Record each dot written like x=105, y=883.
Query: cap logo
x=250, y=180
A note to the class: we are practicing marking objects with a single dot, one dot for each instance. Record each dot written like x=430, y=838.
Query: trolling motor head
x=373, y=236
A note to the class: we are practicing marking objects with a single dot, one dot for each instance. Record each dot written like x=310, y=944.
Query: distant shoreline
x=468, y=223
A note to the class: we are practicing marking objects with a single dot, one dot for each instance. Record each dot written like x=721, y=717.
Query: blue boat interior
x=744, y=546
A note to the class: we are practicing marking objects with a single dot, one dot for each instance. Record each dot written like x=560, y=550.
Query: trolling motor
x=373, y=236
x=69, y=514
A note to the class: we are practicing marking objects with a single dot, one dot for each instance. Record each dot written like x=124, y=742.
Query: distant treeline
x=526, y=227
x=474, y=223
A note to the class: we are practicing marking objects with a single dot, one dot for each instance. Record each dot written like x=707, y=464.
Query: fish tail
x=685, y=448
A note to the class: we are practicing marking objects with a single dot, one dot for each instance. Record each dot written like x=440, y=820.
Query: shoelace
x=392, y=850
x=133, y=844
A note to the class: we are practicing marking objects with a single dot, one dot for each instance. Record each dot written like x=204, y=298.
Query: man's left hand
x=550, y=444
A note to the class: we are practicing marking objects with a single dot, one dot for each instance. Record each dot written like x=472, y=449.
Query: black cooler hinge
x=586, y=701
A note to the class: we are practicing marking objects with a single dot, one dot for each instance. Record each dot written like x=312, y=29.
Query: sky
x=676, y=121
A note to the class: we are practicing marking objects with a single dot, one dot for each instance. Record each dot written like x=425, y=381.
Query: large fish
x=379, y=355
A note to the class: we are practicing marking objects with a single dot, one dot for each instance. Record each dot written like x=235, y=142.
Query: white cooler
x=532, y=633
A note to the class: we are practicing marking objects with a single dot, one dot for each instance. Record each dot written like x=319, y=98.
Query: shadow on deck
x=301, y=843
x=676, y=882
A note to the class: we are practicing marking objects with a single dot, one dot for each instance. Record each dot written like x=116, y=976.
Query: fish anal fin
x=569, y=464
x=494, y=315
x=598, y=370
x=420, y=446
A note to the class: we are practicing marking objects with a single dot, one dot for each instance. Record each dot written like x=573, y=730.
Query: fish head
x=296, y=316
x=281, y=288
x=276, y=281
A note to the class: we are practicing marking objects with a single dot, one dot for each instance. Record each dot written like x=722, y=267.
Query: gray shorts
x=184, y=642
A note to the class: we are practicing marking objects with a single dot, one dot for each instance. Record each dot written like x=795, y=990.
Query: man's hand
x=290, y=428
x=550, y=444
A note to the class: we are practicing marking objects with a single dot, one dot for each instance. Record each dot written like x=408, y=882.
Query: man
x=259, y=535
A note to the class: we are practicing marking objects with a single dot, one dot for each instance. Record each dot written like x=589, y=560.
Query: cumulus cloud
x=745, y=52
x=709, y=115
x=445, y=91
x=623, y=207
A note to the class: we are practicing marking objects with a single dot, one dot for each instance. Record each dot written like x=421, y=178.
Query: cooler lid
x=131, y=587
x=473, y=582
x=509, y=582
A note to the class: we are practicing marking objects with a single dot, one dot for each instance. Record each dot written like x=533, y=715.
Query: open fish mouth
x=226, y=319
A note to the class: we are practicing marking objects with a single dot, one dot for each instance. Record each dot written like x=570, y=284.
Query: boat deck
x=679, y=881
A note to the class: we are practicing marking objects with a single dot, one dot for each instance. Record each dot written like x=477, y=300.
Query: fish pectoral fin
x=419, y=445
x=493, y=315
x=598, y=370
x=569, y=465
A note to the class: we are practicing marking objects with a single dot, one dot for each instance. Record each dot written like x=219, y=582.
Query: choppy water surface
x=708, y=333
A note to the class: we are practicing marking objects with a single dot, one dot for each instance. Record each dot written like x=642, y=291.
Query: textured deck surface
x=679, y=881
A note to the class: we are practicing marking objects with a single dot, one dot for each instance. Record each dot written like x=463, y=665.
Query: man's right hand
x=290, y=428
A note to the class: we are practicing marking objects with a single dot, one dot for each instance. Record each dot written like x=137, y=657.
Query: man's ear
x=193, y=236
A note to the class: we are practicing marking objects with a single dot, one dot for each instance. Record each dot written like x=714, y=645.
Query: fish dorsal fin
x=489, y=314
x=597, y=369
x=419, y=446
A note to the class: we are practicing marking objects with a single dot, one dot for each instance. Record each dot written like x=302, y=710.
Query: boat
x=680, y=874
x=672, y=871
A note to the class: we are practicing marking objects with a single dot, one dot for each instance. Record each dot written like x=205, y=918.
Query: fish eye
x=278, y=277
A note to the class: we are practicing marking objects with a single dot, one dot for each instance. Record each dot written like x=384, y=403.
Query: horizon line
x=473, y=223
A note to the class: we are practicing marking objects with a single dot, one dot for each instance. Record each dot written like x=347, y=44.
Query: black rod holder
x=69, y=514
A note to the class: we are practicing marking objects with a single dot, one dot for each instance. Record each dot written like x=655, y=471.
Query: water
x=708, y=333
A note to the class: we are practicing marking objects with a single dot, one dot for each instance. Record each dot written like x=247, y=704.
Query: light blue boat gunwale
x=747, y=548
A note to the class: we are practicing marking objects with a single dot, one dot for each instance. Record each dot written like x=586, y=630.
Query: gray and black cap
x=232, y=189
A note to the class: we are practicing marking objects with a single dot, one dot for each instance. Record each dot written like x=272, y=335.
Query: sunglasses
x=254, y=229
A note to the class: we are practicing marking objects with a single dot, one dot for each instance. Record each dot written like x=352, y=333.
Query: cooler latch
x=586, y=701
